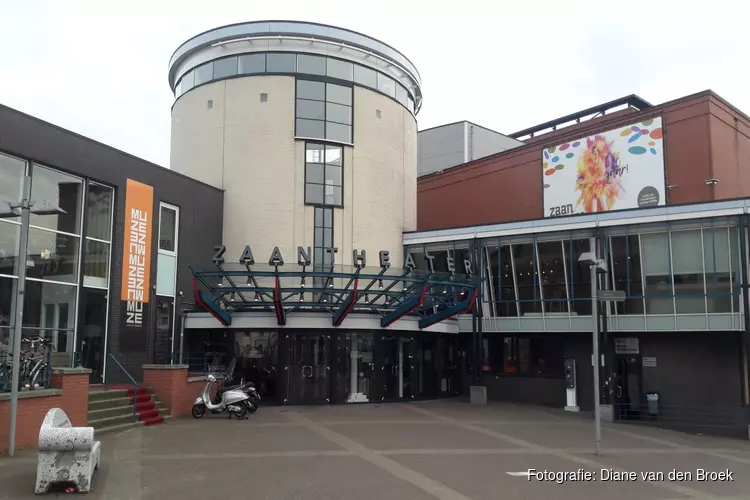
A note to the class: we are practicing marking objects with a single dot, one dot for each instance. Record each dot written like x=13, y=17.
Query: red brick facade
x=70, y=393
x=172, y=385
x=705, y=137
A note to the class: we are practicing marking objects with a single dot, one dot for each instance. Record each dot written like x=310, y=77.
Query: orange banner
x=136, y=259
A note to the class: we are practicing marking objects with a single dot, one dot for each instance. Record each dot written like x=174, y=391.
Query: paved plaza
x=448, y=450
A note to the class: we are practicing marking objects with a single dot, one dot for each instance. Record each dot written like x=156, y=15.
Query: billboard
x=615, y=170
x=136, y=259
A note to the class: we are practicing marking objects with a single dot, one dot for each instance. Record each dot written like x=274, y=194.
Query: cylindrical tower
x=310, y=129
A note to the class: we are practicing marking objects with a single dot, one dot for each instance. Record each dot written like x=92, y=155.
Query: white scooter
x=234, y=402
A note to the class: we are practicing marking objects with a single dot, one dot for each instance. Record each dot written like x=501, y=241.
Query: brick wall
x=70, y=392
x=172, y=385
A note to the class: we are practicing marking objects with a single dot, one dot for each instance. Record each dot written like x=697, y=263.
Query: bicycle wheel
x=42, y=377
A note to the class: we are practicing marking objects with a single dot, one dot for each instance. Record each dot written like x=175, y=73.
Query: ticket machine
x=571, y=397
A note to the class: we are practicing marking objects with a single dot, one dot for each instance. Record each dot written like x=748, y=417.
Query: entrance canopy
x=338, y=290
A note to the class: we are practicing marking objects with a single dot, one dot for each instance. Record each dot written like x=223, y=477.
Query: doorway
x=91, y=332
x=396, y=357
x=307, y=380
x=629, y=386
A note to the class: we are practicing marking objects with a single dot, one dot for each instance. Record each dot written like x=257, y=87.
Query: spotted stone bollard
x=67, y=454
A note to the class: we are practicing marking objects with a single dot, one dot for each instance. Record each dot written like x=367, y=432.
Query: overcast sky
x=99, y=68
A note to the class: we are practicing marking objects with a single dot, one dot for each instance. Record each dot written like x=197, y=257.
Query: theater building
x=310, y=130
x=661, y=194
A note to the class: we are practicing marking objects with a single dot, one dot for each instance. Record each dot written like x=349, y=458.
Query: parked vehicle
x=234, y=402
x=246, y=387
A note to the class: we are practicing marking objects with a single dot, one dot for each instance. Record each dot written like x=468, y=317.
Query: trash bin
x=652, y=399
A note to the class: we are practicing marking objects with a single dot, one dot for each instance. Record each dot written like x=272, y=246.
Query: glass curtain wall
x=681, y=269
x=54, y=257
x=92, y=322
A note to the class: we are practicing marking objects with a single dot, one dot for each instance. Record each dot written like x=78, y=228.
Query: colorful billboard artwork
x=615, y=170
x=136, y=269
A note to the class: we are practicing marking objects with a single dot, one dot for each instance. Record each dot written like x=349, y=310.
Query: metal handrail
x=132, y=380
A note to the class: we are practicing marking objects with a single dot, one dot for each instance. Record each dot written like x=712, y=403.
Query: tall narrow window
x=323, y=239
x=324, y=111
x=96, y=256
x=166, y=267
x=324, y=175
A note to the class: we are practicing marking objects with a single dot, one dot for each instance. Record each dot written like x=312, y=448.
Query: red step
x=141, y=398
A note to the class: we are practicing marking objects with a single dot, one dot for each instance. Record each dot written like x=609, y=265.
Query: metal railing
x=132, y=381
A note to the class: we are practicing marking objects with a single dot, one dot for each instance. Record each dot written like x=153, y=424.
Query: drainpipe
x=182, y=333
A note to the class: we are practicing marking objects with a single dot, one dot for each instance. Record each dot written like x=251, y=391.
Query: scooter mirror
x=211, y=377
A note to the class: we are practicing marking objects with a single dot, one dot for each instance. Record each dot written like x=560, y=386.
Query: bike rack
x=132, y=380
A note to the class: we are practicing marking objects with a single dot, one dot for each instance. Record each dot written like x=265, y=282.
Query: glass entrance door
x=396, y=367
x=308, y=369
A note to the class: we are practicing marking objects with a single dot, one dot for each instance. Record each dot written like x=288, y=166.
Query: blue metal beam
x=278, y=304
x=346, y=306
x=459, y=308
x=409, y=305
x=203, y=300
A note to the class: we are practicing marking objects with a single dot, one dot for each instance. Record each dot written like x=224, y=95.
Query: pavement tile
x=485, y=478
x=433, y=436
x=686, y=462
x=572, y=435
x=334, y=478
x=232, y=436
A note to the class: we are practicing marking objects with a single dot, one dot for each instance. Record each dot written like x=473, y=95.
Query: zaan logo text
x=136, y=267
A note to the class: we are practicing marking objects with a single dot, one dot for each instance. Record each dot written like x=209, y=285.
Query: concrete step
x=100, y=394
x=102, y=404
x=101, y=423
x=113, y=411
x=117, y=428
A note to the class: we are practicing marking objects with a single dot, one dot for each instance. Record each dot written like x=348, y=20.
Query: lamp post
x=597, y=266
x=23, y=247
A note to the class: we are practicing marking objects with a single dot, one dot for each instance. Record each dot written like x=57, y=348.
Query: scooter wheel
x=240, y=412
x=198, y=411
x=251, y=406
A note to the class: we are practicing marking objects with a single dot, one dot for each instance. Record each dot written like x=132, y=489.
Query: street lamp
x=8, y=210
x=597, y=266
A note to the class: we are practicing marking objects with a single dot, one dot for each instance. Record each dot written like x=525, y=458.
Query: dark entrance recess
x=91, y=331
x=307, y=369
x=628, y=392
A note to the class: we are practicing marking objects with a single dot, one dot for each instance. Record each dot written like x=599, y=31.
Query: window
x=507, y=291
x=688, y=272
x=324, y=166
x=656, y=273
x=12, y=172
x=204, y=73
x=552, y=276
x=524, y=259
x=281, y=63
x=386, y=85
x=7, y=300
x=186, y=83
x=252, y=63
x=96, y=252
x=226, y=67
x=324, y=111
x=166, y=258
x=54, y=256
x=323, y=237
x=167, y=227
x=340, y=69
x=402, y=95
x=57, y=200
x=9, y=235
x=625, y=264
x=311, y=65
x=365, y=76
x=716, y=251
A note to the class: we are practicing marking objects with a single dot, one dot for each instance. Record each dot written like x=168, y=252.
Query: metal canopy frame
x=339, y=291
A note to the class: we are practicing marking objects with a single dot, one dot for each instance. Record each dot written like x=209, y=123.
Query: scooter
x=246, y=387
x=234, y=402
